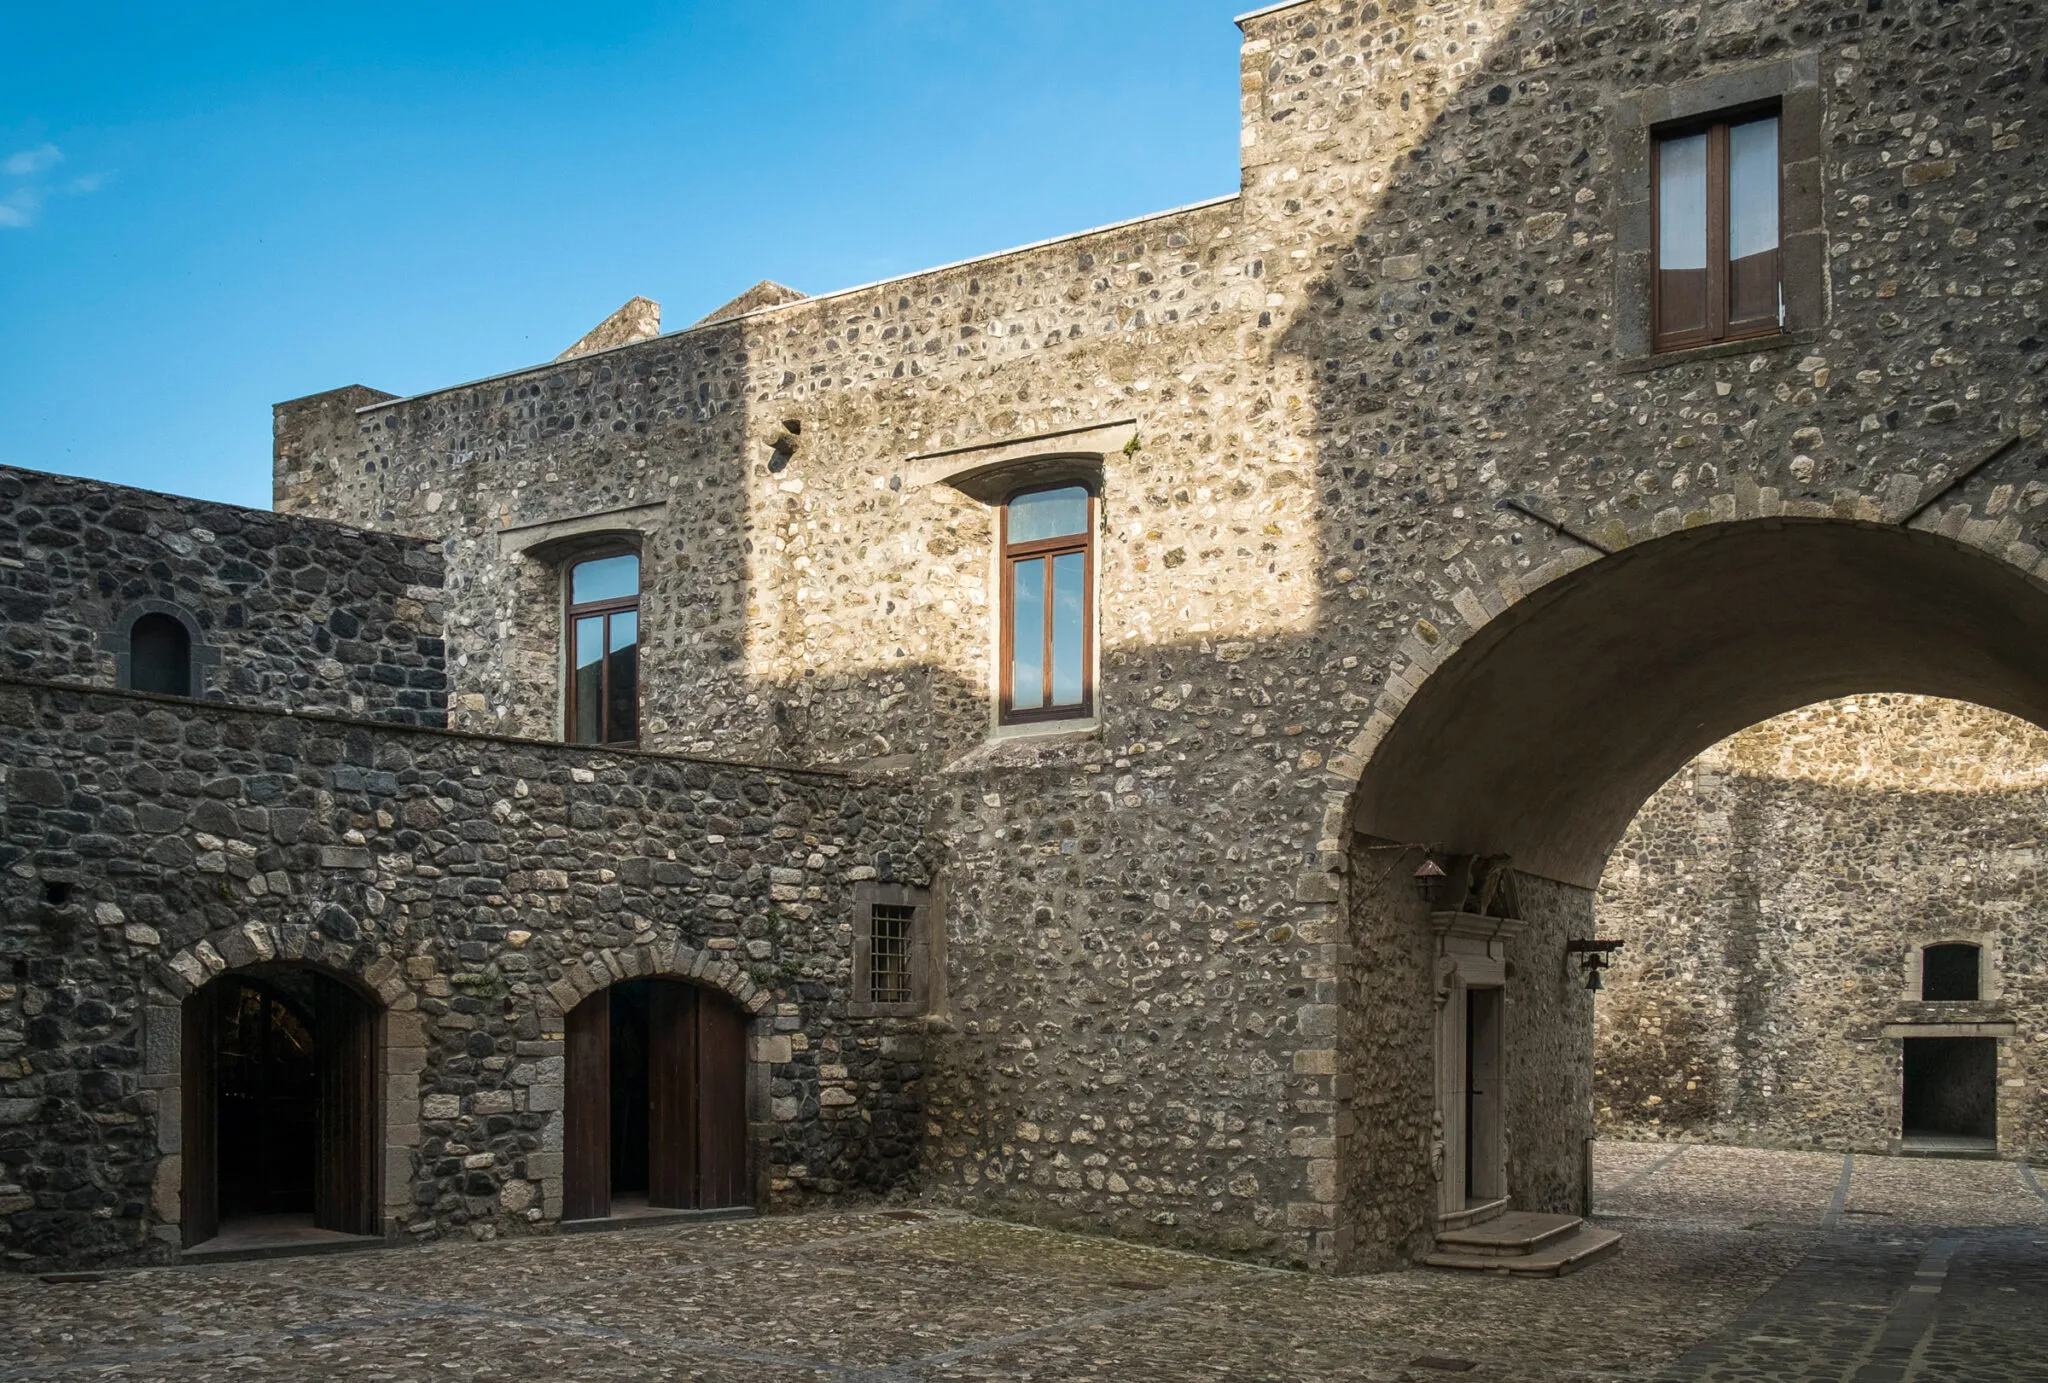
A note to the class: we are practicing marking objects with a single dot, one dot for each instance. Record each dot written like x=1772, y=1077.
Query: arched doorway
x=1531, y=743
x=279, y=1101
x=655, y=1110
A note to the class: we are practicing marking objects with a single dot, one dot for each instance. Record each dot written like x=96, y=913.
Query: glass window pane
x=1048, y=514
x=606, y=578
x=1753, y=188
x=1027, y=635
x=1682, y=203
x=587, y=674
x=622, y=702
x=1068, y=612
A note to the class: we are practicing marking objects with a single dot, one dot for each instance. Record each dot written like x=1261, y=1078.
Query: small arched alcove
x=159, y=648
x=279, y=1085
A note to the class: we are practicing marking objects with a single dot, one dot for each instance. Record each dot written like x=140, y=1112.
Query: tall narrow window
x=1048, y=605
x=1718, y=275
x=160, y=656
x=603, y=639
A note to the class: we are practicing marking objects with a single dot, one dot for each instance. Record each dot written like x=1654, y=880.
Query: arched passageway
x=279, y=1092
x=1525, y=753
x=1541, y=736
x=655, y=1109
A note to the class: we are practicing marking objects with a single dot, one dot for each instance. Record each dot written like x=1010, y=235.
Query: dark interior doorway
x=1484, y=1168
x=655, y=1110
x=279, y=1081
x=1951, y=1087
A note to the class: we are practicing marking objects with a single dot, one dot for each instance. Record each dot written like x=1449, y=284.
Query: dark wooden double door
x=278, y=1087
x=655, y=1109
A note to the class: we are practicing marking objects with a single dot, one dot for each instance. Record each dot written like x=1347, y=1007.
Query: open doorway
x=278, y=1091
x=655, y=1112
x=1950, y=1103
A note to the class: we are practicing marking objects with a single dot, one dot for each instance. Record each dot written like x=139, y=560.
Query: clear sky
x=207, y=208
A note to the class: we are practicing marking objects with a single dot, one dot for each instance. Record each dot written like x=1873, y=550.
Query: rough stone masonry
x=1352, y=431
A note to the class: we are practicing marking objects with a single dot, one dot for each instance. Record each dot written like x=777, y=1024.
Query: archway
x=1527, y=745
x=654, y=1113
x=279, y=1093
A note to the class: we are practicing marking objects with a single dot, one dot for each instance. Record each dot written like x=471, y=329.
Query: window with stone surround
x=1718, y=273
x=892, y=951
x=158, y=647
x=602, y=641
x=1952, y=972
x=1048, y=614
x=1719, y=247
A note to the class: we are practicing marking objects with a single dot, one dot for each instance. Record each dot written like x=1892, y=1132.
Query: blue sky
x=206, y=209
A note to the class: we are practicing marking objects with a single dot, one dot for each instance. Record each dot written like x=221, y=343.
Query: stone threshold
x=649, y=1218
x=246, y=1250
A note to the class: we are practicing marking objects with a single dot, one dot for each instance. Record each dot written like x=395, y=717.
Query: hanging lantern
x=1430, y=881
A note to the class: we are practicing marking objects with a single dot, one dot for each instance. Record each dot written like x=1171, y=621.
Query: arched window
x=160, y=656
x=1952, y=972
x=603, y=639
x=1048, y=605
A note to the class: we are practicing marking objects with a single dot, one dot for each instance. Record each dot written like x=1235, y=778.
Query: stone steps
x=1524, y=1244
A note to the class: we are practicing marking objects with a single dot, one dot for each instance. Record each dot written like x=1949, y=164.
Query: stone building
x=1191, y=673
x=1807, y=904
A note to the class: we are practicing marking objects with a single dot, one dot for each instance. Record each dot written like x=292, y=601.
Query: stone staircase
x=1494, y=1239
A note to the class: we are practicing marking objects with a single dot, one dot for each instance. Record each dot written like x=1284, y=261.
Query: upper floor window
x=1048, y=611
x=1715, y=212
x=1951, y=972
x=159, y=656
x=603, y=638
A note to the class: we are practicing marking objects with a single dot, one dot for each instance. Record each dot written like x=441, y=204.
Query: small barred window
x=889, y=953
x=892, y=951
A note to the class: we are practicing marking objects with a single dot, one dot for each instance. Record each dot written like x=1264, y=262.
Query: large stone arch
x=1953, y=606
x=1537, y=726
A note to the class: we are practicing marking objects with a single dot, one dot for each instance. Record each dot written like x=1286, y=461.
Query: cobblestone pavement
x=1738, y=1265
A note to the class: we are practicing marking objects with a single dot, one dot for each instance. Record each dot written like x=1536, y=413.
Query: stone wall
x=1308, y=404
x=1774, y=896
x=284, y=610
x=478, y=886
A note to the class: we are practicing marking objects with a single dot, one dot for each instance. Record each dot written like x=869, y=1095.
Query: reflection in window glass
x=607, y=578
x=1752, y=188
x=1069, y=572
x=588, y=697
x=1048, y=514
x=1682, y=203
x=1027, y=665
x=622, y=678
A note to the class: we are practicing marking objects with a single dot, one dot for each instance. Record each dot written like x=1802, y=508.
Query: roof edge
x=725, y=322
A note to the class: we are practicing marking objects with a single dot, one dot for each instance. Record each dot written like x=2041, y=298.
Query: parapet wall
x=282, y=610
x=477, y=885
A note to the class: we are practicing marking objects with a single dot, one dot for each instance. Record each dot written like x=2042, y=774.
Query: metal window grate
x=889, y=953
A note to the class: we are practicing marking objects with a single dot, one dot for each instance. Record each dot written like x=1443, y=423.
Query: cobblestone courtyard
x=1738, y=1264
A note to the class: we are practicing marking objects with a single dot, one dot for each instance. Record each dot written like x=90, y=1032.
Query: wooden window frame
x=571, y=612
x=1044, y=549
x=1715, y=127
x=866, y=898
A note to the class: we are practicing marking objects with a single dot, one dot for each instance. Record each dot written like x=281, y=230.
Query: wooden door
x=1485, y=1167
x=200, y=1111
x=587, y=1110
x=672, y=1093
x=721, y=1104
x=346, y=1142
